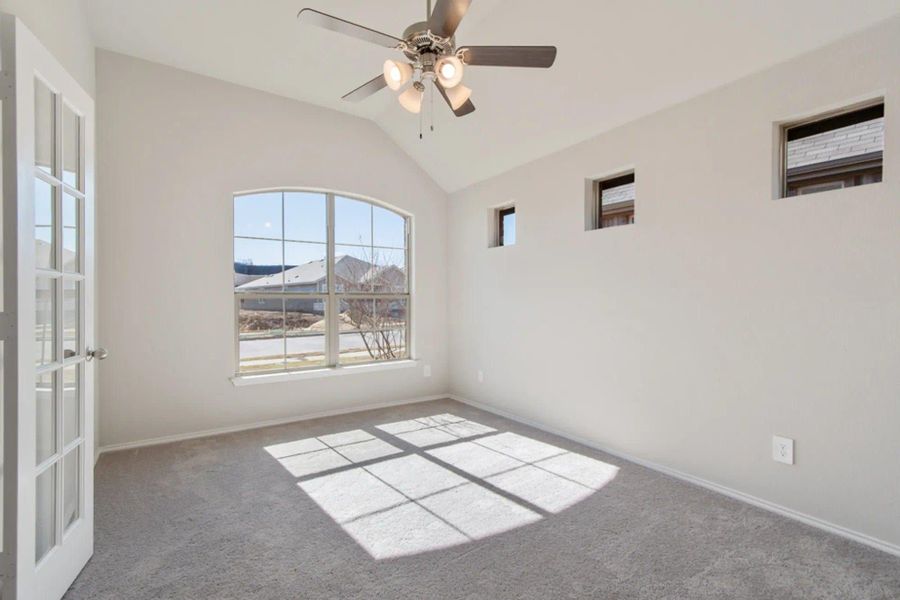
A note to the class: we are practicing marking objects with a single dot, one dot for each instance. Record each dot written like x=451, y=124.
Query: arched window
x=320, y=280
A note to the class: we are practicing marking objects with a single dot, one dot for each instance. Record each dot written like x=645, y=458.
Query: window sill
x=243, y=380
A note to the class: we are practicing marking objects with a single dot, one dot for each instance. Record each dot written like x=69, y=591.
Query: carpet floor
x=440, y=500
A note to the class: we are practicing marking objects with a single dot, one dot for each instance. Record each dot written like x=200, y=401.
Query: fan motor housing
x=419, y=40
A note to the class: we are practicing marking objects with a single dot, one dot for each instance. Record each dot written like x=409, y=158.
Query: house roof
x=853, y=140
x=346, y=267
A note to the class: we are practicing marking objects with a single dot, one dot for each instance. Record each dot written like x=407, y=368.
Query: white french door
x=48, y=304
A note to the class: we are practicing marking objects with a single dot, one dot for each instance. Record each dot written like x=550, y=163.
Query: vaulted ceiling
x=618, y=60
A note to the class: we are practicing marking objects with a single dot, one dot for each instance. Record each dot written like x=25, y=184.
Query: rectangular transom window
x=833, y=152
x=320, y=280
x=614, y=201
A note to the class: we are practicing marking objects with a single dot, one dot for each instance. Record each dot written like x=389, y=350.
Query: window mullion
x=332, y=343
x=284, y=327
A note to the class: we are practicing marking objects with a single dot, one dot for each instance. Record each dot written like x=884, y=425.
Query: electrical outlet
x=783, y=450
x=426, y=370
x=480, y=376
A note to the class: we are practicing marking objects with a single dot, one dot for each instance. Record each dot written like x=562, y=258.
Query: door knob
x=98, y=353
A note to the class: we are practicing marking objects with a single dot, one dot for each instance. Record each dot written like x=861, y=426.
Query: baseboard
x=856, y=536
x=166, y=439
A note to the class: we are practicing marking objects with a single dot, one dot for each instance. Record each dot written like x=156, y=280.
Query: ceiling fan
x=431, y=56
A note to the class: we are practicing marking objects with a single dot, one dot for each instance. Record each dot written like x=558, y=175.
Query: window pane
x=257, y=265
x=45, y=309
x=352, y=269
x=261, y=331
x=372, y=329
x=389, y=227
x=304, y=217
x=45, y=503
x=45, y=416
x=352, y=222
x=43, y=225
x=844, y=150
x=509, y=229
x=44, y=120
x=71, y=323
x=70, y=487
x=70, y=233
x=71, y=405
x=391, y=314
x=357, y=313
x=305, y=332
x=369, y=346
x=305, y=267
x=71, y=146
x=258, y=215
x=389, y=275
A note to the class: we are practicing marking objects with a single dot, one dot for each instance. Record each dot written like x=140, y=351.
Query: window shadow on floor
x=428, y=483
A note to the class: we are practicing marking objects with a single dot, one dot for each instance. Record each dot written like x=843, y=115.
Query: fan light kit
x=432, y=61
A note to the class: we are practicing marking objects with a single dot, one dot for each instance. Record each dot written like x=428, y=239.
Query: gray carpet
x=439, y=500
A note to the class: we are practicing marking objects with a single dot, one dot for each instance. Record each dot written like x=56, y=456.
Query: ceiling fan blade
x=446, y=16
x=463, y=110
x=541, y=57
x=320, y=19
x=365, y=90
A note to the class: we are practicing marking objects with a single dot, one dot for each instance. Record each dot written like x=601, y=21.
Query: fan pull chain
x=420, y=123
x=433, y=89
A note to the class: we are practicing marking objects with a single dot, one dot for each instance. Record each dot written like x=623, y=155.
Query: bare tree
x=381, y=322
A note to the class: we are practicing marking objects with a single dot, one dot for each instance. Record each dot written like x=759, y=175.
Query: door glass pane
x=305, y=323
x=71, y=323
x=389, y=228
x=261, y=327
x=71, y=146
x=352, y=222
x=45, y=310
x=304, y=217
x=70, y=487
x=45, y=503
x=44, y=124
x=258, y=216
x=44, y=246
x=257, y=265
x=70, y=233
x=45, y=416
x=71, y=404
x=305, y=267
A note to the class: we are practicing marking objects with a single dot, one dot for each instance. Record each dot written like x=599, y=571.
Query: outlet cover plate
x=783, y=450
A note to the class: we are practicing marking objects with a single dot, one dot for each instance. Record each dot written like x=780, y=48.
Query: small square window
x=833, y=152
x=613, y=201
x=506, y=226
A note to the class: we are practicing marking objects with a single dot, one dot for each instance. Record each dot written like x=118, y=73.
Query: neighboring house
x=836, y=158
x=352, y=275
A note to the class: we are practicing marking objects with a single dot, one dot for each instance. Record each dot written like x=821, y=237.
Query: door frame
x=22, y=59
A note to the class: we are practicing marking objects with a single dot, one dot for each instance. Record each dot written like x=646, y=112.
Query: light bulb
x=411, y=99
x=449, y=71
x=396, y=74
x=458, y=96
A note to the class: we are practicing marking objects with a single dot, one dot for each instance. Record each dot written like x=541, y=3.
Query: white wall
x=62, y=27
x=723, y=316
x=173, y=147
